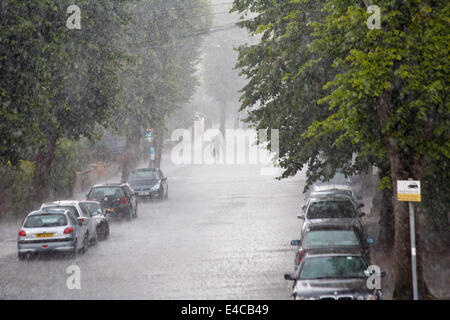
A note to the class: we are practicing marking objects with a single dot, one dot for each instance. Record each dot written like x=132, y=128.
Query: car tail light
x=22, y=233
x=68, y=230
x=123, y=200
x=301, y=254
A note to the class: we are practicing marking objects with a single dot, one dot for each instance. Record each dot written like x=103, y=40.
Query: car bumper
x=62, y=245
x=148, y=194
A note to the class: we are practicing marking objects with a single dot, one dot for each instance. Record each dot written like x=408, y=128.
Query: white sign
x=408, y=190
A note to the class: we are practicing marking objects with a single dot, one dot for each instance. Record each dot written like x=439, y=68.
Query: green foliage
x=336, y=89
x=16, y=187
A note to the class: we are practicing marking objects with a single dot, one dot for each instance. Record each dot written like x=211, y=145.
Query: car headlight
x=155, y=187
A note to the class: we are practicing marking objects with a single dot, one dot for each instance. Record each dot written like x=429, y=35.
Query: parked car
x=149, y=183
x=331, y=209
x=101, y=217
x=79, y=212
x=324, y=237
x=117, y=198
x=50, y=230
x=336, y=275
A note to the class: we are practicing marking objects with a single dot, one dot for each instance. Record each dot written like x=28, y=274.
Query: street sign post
x=409, y=190
x=148, y=134
x=152, y=153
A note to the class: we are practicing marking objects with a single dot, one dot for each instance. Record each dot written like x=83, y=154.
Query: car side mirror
x=164, y=179
x=301, y=216
x=289, y=276
x=360, y=205
x=382, y=274
x=295, y=242
x=81, y=220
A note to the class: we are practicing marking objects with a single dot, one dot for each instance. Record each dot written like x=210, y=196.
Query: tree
x=56, y=82
x=384, y=97
x=163, y=51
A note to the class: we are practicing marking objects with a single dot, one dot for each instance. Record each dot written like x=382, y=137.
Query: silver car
x=51, y=230
x=79, y=212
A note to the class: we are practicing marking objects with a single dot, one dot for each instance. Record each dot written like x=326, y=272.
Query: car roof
x=47, y=210
x=113, y=184
x=332, y=226
x=90, y=201
x=334, y=252
x=353, y=222
x=330, y=197
x=62, y=203
x=145, y=169
x=331, y=187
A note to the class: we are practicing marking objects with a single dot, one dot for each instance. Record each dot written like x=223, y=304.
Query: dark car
x=118, y=199
x=333, y=276
x=149, y=183
x=324, y=237
x=331, y=209
x=99, y=215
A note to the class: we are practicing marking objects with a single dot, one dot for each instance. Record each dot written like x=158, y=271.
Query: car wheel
x=22, y=256
x=85, y=243
x=106, y=231
x=74, y=252
x=94, y=241
x=129, y=215
x=135, y=211
x=167, y=194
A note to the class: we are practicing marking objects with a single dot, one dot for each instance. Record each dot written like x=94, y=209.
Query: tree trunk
x=130, y=159
x=222, y=118
x=158, y=144
x=383, y=203
x=402, y=168
x=43, y=164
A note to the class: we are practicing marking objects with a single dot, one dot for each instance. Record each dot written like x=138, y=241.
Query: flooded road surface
x=223, y=233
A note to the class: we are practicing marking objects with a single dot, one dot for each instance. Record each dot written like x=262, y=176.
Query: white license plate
x=144, y=193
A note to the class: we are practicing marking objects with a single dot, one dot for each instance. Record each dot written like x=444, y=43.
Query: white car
x=79, y=212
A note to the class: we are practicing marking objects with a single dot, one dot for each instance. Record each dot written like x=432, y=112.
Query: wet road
x=224, y=233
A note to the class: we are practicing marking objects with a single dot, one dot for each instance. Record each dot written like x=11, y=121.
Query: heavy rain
x=224, y=150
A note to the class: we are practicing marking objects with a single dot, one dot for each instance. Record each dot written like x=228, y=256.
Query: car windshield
x=100, y=193
x=93, y=208
x=143, y=175
x=331, y=209
x=330, y=238
x=334, y=267
x=46, y=220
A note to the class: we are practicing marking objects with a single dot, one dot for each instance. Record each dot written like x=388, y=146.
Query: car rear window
x=331, y=209
x=100, y=193
x=143, y=175
x=93, y=208
x=46, y=220
x=330, y=238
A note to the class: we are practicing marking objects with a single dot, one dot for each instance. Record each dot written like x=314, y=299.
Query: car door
x=79, y=230
x=91, y=224
x=79, y=214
